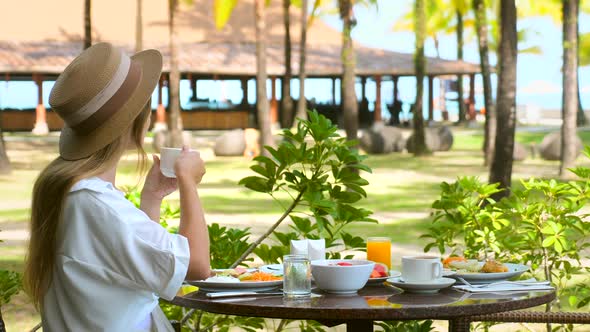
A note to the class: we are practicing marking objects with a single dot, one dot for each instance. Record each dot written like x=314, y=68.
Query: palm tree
x=481, y=24
x=5, y=167
x=419, y=65
x=501, y=170
x=138, y=27
x=222, y=12
x=261, y=77
x=349, y=100
x=87, y=23
x=174, y=119
x=302, y=102
x=570, y=85
x=460, y=10
x=286, y=100
x=583, y=60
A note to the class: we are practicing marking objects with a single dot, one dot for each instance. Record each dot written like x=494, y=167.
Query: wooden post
x=471, y=106
x=430, y=98
x=363, y=93
x=377, y=117
x=274, y=105
x=41, y=127
x=193, y=86
x=160, y=110
x=333, y=90
x=395, y=88
x=244, y=82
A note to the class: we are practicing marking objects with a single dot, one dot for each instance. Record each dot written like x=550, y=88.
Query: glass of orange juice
x=379, y=250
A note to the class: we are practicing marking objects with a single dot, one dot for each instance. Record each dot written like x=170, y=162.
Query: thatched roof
x=44, y=36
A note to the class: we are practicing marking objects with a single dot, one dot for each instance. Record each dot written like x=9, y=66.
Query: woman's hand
x=189, y=166
x=157, y=186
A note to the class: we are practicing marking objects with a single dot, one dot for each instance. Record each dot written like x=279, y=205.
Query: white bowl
x=337, y=279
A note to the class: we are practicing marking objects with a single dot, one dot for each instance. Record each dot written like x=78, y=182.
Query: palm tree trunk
x=460, y=57
x=286, y=100
x=139, y=27
x=570, y=86
x=5, y=167
x=348, y=100
x=174, y=119
x=581, y=119
x=302, y=102
x=501, y=170
x=481, y=23
x=419, y=65
x=261, y=77
x=87, y=23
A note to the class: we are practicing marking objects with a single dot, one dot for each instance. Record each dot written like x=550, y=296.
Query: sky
x=538, y=76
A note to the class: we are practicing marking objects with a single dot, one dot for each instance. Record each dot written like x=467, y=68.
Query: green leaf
x=548, y=242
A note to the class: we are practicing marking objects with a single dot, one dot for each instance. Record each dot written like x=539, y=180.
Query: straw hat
x=99, y=95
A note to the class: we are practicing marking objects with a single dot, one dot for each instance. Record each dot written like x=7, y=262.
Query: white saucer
x=422, y=287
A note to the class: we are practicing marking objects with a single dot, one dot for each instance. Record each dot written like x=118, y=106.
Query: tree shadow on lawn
x=411, y=197
x=446, y=164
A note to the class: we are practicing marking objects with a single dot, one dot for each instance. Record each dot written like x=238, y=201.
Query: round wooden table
x=376, y=303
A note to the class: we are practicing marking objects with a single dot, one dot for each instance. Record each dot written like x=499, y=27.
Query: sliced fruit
x=375, y=274
x=344, y=264
x=449, y=260
x=380, y=270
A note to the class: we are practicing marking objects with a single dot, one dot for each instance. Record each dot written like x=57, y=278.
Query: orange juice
x=379, y=250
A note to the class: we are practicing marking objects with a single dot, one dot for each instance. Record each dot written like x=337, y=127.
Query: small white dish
x=422, y=287
x=381, y=280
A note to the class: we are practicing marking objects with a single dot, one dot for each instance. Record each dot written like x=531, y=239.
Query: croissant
x=491, y=266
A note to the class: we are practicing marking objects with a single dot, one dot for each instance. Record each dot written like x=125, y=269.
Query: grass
x=401, y=190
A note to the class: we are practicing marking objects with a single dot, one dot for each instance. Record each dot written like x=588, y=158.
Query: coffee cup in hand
x=421, y=269
x=168, y=157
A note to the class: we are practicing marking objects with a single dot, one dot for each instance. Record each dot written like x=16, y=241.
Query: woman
x=95, y=262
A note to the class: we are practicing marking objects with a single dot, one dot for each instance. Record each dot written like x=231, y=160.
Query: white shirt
x=112, y=264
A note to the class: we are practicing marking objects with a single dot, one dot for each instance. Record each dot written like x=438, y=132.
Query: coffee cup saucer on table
x=425, y=287
x=421, y=274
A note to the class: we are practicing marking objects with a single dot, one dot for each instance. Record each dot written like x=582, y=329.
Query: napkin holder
x=313, y=249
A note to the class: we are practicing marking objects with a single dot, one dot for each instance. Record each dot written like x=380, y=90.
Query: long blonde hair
x=49, y=193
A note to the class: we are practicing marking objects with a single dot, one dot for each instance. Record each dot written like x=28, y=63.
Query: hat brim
x=74, y=146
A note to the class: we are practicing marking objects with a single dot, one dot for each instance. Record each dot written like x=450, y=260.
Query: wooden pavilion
x=36, y=45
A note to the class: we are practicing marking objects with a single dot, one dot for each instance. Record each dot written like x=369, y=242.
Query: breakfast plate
x=380, y=280
x=514, y=270
x=222, y=282
x=421, y=287
x=216, y=286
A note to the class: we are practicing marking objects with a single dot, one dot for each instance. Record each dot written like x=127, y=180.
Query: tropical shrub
x=540, y=224
x=10, y=285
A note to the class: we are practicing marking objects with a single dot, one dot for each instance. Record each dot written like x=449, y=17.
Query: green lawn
x=401, y=190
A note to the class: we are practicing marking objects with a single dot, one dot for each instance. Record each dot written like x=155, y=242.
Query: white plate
x=422, y=287
x=514, y=270
x=219, y=286
x=276, y=269
x=379, y=281
x=216, y=286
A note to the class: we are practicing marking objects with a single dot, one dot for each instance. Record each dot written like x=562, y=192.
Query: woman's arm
x=189, y=169
x=156, y=187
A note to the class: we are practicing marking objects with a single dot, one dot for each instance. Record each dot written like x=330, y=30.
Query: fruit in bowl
x=379, y=271
x=341, y=276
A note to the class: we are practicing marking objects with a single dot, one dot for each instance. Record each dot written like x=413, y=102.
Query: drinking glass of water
x=296, y=276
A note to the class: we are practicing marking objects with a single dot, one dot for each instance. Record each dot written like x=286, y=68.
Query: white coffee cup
x=168, y=157
x=421, y=268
